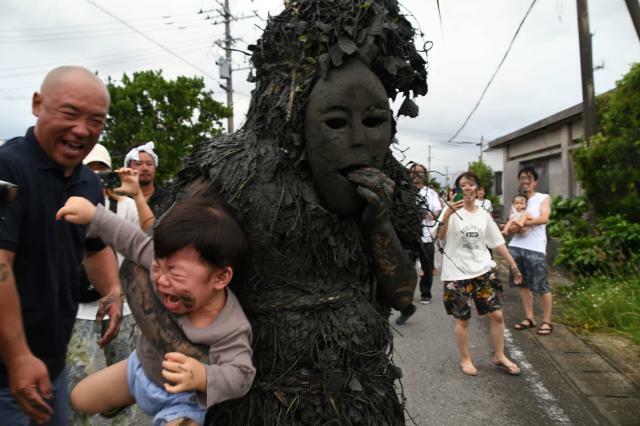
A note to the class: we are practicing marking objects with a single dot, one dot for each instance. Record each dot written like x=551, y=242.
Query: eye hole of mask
x=336, y=123
x=373, y=121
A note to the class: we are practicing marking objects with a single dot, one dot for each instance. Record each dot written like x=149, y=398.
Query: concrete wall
x=550, y=148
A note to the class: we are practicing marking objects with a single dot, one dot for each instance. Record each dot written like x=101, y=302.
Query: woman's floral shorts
x=458, y=295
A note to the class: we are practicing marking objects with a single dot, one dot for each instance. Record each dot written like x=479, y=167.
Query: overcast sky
x=540, y=76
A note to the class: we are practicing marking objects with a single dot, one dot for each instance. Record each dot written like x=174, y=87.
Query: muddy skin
x=188, y=301
x=4, y=272
x=155, y=322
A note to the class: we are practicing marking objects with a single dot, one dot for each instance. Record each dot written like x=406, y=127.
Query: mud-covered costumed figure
x=330, y=215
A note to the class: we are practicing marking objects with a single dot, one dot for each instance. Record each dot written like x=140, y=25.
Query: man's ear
x=222, y=277
x=36, y=103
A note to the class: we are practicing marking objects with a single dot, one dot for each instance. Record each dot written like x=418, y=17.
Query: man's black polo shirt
x=48, y=253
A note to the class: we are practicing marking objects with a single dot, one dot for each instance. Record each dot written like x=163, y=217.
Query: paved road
x=438, y=393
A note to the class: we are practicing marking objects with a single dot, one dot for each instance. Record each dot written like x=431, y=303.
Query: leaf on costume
x=336, y=55
x=347, y=45
x=408, y=108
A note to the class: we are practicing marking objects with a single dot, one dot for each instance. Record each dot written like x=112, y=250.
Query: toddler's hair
x=520, y=196
x=207, y=224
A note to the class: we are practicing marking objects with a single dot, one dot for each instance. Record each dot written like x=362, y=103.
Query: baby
x=195, y=249
x=518, y=218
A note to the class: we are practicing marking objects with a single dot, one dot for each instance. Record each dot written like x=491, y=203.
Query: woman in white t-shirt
x=468, y=271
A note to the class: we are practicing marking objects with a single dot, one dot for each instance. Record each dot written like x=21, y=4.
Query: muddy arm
x=395, y=271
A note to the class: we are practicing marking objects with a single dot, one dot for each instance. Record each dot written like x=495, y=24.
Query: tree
x=485, y=174
x=607, y=165
x=174, y=114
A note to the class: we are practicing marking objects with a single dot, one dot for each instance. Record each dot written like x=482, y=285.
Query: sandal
x=545, y=331
x=526, y=323
x=469, y=370
x=512, y=368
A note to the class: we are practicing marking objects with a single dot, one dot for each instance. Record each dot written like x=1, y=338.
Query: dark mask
x=347, y=125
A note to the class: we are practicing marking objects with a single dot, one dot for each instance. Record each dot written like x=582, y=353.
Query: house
x=545, y=145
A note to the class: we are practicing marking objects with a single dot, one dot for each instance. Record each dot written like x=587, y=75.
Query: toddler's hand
x=184, y=373
x=77, y=210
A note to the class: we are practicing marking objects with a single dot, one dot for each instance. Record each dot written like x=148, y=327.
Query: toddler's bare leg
x=103, y=390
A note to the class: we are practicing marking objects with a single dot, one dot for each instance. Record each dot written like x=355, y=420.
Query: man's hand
x=185, y=373
x=377, y=189
x=129, y=181
x=30, y=385
x=112, y=305
x=77, y=210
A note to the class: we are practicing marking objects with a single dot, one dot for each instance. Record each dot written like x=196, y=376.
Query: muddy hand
x=30, y=384
x=112, y=305
x=377, y=189
x=183, y=373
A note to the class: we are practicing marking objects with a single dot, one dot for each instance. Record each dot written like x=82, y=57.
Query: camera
x=109, y=180
x=8, y=194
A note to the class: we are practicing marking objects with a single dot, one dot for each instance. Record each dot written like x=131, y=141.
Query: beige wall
x=552, y=145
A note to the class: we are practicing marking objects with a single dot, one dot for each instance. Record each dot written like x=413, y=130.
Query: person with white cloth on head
x=83, y=353
x=144, y=160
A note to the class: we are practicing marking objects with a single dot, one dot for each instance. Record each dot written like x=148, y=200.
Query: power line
x=153, y=41
x=105, y=32
x=145, y=51
x=62, y=27
x=513, y=39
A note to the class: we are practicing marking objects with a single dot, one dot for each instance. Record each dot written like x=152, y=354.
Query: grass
x=603, y=303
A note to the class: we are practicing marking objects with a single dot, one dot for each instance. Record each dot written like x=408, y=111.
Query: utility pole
x=227, y=50
x=634, y=12
x=225, y=63
x=446, y=176
x=429, y=160
x=586, y=67
x=481, y=145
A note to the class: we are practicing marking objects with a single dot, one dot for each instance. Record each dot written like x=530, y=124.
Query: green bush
x=610, y=246
x=568, y=216
x=607, y=165
x=603, y=303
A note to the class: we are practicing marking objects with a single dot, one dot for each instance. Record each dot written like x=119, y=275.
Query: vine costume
x=313, y=290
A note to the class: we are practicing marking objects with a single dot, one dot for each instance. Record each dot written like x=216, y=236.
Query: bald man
x=40, y=258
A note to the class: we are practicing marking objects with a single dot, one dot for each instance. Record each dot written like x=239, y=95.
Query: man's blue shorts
x=157, y=402
x=533, y=266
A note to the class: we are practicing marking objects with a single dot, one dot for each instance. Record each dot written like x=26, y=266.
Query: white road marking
x=546, y=401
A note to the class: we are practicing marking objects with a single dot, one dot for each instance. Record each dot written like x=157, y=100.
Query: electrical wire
x=205, y=73
x=513, y=39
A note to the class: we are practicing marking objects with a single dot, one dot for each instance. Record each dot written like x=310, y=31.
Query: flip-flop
x=513, y=369
x=545, y=331
x=524, y=324
x=469, y=371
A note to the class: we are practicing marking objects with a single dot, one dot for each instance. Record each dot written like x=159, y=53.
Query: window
x=497, y=183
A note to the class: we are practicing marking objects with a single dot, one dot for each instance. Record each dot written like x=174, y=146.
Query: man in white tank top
x=529, y=251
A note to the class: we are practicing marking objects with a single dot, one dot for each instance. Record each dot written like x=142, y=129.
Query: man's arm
x=102, y=271
x=28, y=376
x=545, y=211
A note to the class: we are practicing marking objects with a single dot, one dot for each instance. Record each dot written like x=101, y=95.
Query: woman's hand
x=185, y=373
x=517, y=275
x=77, y=210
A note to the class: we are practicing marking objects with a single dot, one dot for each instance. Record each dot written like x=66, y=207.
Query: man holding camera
x=145, y=161
x=40, y=258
